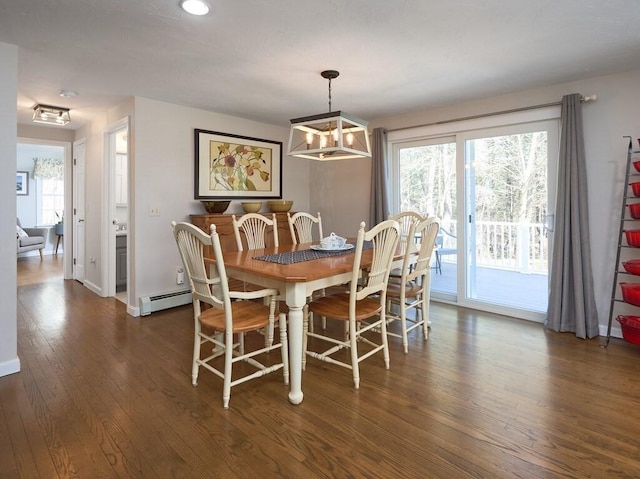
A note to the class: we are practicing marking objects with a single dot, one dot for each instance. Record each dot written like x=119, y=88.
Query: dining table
x=296, y=271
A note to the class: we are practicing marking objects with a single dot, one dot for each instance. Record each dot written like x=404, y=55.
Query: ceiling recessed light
x=195, y=7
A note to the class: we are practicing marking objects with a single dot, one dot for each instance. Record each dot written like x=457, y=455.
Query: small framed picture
x=22, y=183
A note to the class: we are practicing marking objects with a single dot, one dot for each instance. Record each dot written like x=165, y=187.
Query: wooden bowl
x=251, y=206
x=280, y=206
x=213, y=207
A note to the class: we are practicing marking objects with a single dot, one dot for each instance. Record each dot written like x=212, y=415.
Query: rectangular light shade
x=329, y=136
x=51, y=115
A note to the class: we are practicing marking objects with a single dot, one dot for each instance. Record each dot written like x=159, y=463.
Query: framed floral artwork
x=22, y=183
x=235, y=167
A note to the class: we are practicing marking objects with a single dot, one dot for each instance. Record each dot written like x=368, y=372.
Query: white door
x=78, y=210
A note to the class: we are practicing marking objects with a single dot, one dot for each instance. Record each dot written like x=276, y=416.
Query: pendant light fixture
x=329, y=136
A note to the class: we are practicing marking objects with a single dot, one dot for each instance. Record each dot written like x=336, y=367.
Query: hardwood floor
x=102, y=394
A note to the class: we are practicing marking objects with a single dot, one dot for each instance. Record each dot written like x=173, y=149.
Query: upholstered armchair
x=30, y=239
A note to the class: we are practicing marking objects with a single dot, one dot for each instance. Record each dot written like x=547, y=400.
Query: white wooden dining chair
x=411, y=291
x=405, y=219
x=361, y=302
x=253, y=226
x=225, y=320
x=301, y=226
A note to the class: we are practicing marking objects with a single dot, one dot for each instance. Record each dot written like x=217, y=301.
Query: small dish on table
x=333, y=242
x=345, y=247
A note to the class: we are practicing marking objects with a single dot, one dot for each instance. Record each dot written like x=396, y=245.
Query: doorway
x=493, y=189
x=47, y=164
x=117, y=215
x=79, y=210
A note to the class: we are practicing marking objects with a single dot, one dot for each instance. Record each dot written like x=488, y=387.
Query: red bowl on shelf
x=633, y=237
x=630, y=326
x=635, y=186
x=636, y=164
x=632, y=266
x=634, y=210
x=631, y=293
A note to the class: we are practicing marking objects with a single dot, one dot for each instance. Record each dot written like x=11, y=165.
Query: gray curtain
x=572, y=307
x=379, y=188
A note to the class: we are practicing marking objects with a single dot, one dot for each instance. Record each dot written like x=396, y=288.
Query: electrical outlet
x=180, y=276
x=154, y=211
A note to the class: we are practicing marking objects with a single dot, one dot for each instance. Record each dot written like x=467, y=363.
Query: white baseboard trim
x=92, y=287
x=616, y=332
x=10, y=367
x=133, y=311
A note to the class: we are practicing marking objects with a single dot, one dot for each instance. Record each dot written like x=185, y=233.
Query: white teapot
x=333, y=241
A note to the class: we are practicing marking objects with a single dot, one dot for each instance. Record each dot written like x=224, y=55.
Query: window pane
x=427, y=183
x=427, y=179
x=508, y=204
x=51, y=200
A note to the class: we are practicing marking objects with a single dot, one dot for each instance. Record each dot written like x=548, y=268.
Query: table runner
x=290, y=257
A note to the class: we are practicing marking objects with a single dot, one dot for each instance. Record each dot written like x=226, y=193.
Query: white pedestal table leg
x=296, y=299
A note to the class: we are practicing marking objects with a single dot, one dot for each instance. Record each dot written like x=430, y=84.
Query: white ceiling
x=261, y=59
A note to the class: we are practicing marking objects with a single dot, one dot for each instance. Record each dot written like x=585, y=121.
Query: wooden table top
x=303, y=271
x=291, y=273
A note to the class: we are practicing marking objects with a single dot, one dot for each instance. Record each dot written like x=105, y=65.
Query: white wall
x=163, y=173
x=93, y=134
x=40, y=132
x=606, y=121
x=340, y=192
x=9, y=362
x=26, y=206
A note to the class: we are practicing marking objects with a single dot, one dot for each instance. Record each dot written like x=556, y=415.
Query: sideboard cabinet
x=224, y=227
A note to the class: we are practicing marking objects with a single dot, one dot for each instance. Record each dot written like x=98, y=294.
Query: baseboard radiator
x=150, y=304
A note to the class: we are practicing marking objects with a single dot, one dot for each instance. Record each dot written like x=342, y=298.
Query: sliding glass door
x=492, y=189
x=507, y=204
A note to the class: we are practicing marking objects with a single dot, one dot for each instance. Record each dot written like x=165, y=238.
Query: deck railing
x=514, y=246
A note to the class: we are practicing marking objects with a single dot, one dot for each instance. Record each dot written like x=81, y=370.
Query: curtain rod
x=583, y=99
